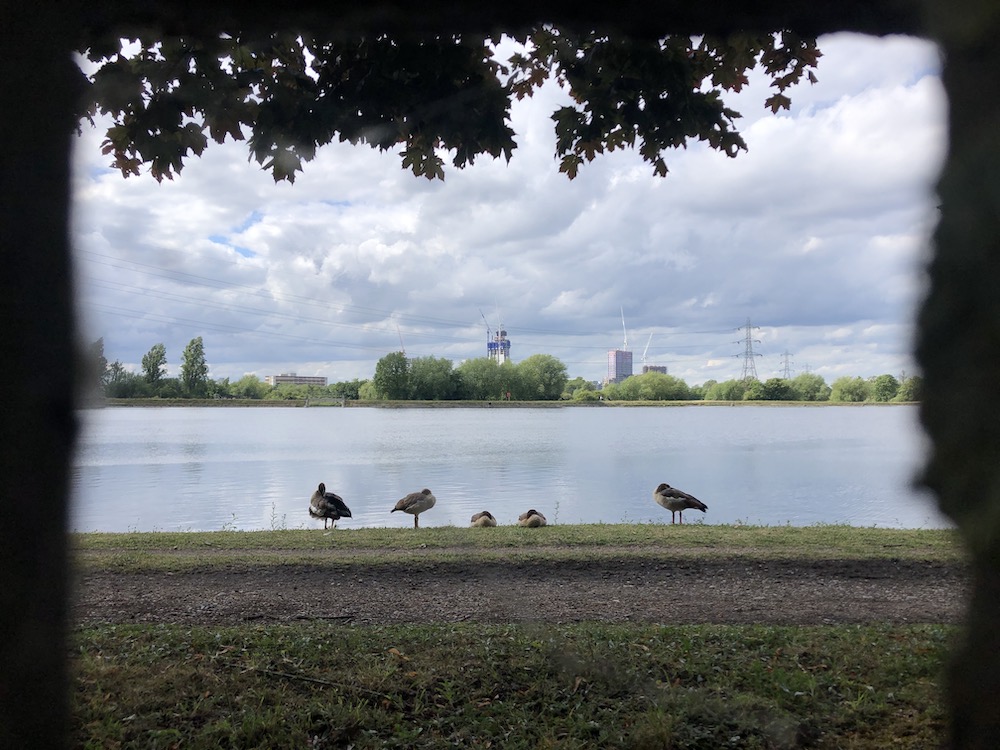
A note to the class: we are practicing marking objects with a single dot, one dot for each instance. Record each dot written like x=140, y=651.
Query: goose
x=416, y=503
x=484, y=519
x=676, y=501
x=327, y=505
x=531, y=519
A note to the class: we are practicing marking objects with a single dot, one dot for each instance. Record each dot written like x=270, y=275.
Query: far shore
x=499, y=404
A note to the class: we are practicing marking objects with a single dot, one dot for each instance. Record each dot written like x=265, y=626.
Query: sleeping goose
x=676, y=501
x=327, y=505
x=484, y=519
x=531, y=519
x=416, y=503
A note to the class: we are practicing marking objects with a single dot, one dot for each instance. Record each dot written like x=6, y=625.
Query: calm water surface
x=201, y=469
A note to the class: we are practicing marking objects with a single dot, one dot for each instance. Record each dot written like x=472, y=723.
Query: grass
x=178, y=551
x=322, y=685
x=326, y=684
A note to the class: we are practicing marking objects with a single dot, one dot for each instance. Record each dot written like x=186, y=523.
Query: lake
x=206, y=469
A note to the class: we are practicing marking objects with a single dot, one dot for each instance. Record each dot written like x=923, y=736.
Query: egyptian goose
x=416, y=503
x=676, y=501
x=531, y=519
x=484, y=519
x=327, y=506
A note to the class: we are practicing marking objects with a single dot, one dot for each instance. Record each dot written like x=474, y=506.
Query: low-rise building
x=292, y=379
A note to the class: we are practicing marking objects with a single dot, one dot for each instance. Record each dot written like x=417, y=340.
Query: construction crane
x=488, y=332
x=646, y=349
x=400, y=334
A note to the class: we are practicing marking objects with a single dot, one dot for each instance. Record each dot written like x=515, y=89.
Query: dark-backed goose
x=327, y=506
x=676, y=501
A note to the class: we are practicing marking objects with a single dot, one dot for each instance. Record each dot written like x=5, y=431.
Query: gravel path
x=613, y=588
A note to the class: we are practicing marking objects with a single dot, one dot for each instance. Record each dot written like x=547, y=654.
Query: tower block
x=498, y=347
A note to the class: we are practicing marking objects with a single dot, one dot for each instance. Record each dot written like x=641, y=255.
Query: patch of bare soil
x=662, y=590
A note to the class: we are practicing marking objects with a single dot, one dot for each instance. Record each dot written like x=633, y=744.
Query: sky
x=816, y=237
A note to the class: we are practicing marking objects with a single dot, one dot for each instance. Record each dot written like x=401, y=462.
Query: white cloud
x=817, y=234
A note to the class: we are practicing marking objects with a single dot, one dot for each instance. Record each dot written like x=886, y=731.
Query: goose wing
x=531, y=518
x=483, y=518
x=415, y=502
x=336, y=503
x=675, y=499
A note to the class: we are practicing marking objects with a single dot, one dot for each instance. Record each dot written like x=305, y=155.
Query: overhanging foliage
x=288, y=94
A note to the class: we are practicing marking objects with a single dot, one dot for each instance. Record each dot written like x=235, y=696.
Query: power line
x=246, y=313
x=224, y=328
x=273, y=309
x=183, y=277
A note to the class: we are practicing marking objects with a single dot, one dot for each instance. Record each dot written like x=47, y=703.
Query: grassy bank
x=325, y=685
x=172, y=551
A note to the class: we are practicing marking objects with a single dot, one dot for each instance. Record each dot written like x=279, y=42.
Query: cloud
x=817, y=234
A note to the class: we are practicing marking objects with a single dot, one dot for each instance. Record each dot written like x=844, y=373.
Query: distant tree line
x=540, y=377
x=811, y=387
x=117, y=382
x=114, y=381
x=656, y=386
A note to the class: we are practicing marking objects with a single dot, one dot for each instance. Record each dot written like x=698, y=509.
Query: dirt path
x=663, y=590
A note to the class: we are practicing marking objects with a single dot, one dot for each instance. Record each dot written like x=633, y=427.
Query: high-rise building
x=620, y=360
x=498, y=348
x=619, y=365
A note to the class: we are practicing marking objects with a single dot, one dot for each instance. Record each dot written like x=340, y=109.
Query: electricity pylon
x=786, y=371
x=749, y=364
